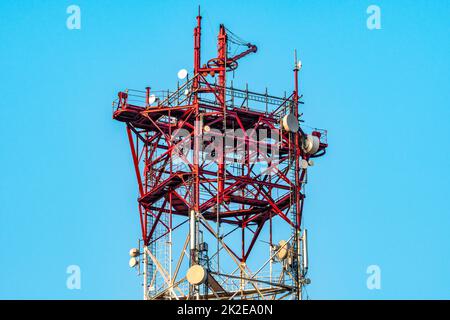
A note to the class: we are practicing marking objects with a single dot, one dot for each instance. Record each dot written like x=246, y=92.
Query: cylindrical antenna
x=193, y=230
x=305, y=251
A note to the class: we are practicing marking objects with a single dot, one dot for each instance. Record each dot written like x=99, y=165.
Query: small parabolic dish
x=134, y=252
x=133, y=262
x=312, y=144
x=290, y=123
x=151, y=99
x=283, y=249
x=196, y=275
x=182, y=74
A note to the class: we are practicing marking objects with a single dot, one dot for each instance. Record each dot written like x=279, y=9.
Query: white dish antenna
x=299, y=64
x=311, y=144
x=134, y=252
x=290, y=123
x=133, y=262
x=151, y=99
x=182, y=74
x=304, y=164
x=196, y=275
x=283, y=249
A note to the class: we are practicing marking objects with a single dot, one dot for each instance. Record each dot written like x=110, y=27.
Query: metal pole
x=145, y=273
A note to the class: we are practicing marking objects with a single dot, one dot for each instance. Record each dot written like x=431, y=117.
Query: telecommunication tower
x=221, y=175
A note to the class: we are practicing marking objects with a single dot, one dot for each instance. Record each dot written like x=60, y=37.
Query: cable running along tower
x=221, y=175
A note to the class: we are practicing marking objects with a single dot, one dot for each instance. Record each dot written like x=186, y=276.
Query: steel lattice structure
x=219, y=170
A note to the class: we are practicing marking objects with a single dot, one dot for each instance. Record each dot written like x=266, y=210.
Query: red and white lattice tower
x=221, y=174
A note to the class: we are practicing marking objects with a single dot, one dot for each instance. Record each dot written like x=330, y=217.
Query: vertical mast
x=222, y=55
x=197, y=52
x=198, y=127
x=297, y=198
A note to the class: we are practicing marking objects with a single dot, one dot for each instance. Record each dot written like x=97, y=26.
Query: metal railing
x=237, y=98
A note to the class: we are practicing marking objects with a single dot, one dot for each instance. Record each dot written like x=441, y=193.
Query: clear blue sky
x=380, y=196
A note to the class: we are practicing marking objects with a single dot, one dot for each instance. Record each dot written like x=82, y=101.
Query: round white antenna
x=299, y=64
x=311, y=144
x=151, y=99
x=196, y=275
x=134, y=252
x=290, y=123
x=133, y=262
x=186, y=92
x=283, y=249
x=304, y=164
x=182, y=74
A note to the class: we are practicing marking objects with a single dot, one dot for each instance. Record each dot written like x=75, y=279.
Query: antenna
x=151, y=99
x=305, y=251
x=182, y=74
